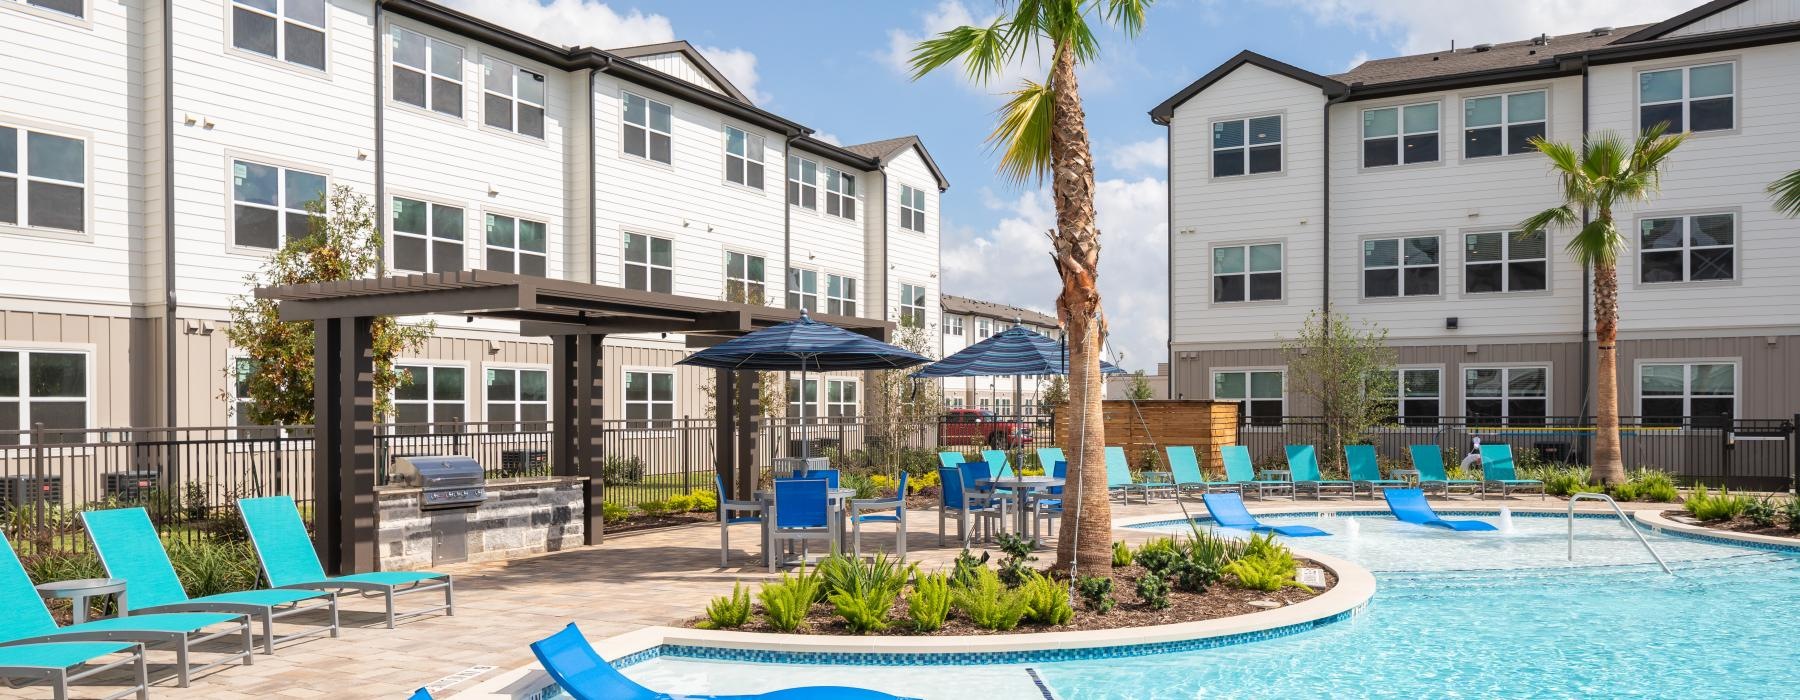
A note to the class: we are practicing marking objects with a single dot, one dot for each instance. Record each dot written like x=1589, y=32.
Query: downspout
x=593, y=187
x=380, y=150
x=1169, y=206
x=787, y=218
x=168, y=158
x=1325, y=201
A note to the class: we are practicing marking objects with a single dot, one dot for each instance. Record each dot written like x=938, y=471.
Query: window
x=912, y=305
x=802, y=404
x=288, y=30
x=1502, y=124
x=1695, y=98
x=43, y=386
x=1262, y=392
x=912, y=209
x=743, y=157
x=1397, y=267
x=649, y=399
x=803, y=183
x=1703, y=391
x=73, y=8
x=242, y=368
x=1247, y=146
x=428, y=237
x=840, y=400
x=744, y=278
x=648, y=129
x=1396, y=135
x=1247, y=273
x=985, y=403
x=953, y=325
x=840, y=198
x=428, y=73
x=431, y=394
x=649, y=263
x=512, y=98
x=1413, y=396
x=43, y=180
x=840, y=295
x=1506, y=395
x=983, y=328
x=518, y=397
x=270, y=204
x=1504, y=261
x=516, y=245
x=803, y=289
x=1688, y=248
x=953, y=402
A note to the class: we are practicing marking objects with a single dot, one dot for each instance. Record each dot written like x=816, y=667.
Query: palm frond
x=1023, y=134
x=984, y=51
x=1549, y=219
x=1598, y=243
x=1786, y=192
x=1127, y=15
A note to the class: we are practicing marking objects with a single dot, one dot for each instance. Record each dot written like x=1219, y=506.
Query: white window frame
x=840, y=194
x=754, y=287
x=798, y=296
x=984, y=328
x=90, y=382
x=517, y=402
x=1687, y=394
x=649, y=130
x=432, y=45
x=1506, y=393
x=516, y=103
x=754, y=170
x=1506, y=123
x=1212, y=262
x=917, y=310
x=281, y=208
x=515, y=248
x=953, y=324
x=837, y=408
x=1399, y=396
x=85, y=19
x=1280, y=143
x=797, y=404
x=431, y=400
x=837, y=300
x=1687, y=248
x=912, y=215
x=281, y=42
x=23, y=179
x=1400, y=134
x=1687, y=100
x=1507, y=238
x=430, y=236
x=1401, y=267
x=800, y=185
x=1212, y=389
x=650, y=403
x=649, y=262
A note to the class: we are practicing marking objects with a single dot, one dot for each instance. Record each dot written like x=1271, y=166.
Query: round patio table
x=1025, y=487
x=80, y=591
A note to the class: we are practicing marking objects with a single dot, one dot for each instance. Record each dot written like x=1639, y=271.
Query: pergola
x=576, y=316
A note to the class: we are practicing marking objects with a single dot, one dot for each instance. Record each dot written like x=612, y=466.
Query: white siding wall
x=1754, y=13
x=679, y=66
x=833, y=245
x=913, y=256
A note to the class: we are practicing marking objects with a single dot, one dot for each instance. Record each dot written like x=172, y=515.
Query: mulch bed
x=1221, y=600
x=1738, y=524
x=652, y=522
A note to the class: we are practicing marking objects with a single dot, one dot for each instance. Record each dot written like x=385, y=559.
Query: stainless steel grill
x=443, y=482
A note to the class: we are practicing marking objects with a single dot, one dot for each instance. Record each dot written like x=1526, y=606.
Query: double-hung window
x=1705, y=392
x=242, y=369
x=802, y=398
x=516, y=245
x=286, y=30
x=73, y=8
x=649, y=399
x=43, y=180
x=1398, y=135
x=1506, y=395
x=840, y=400
x=1246, y=146
x=647, y=130
x=1400, y=267
x=803, y=289
x=1505, y=261
x=912, y=208
x=1262, y=393
x=271, y=205
x=744, y=278
x=743, y=157
x=912, y=305
x=649, y=263
x=1688, y=248
x=840, y=295
x=1412, y=396
x=1502, y=124
x=428, y=237
x=953, y=325
x=1694, y=98
x=983, y=328
x=1247, y=272
x=431, y=394
x=428, y=73
x=518, y=398
x=43, y=386
x=512, y=98
x=840, y=198
x=803, y=183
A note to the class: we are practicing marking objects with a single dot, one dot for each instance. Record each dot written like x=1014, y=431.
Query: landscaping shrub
x=1096, y=593
x=1561, y=480
x=1646, y=484
x=864, y=610
x=1792, y=512
x=653, y=508
x=1154, y=590
x=46, y=566
x=1121, y=554
x=1266, y=565
x=1703, y=505
x=862, y=484
x=728, y=612
x=1046, y=600
x=878, y=576
x=210, y=567
x=966, y=568
x=695, y=501
x=614, y=513
x=619, y=470
x=786, y=602
x=1015, y=559
x=929, y=604
x=988, y=603
x=1194, y=576
x=1760, y=511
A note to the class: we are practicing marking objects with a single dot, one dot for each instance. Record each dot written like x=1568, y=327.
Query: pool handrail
x=1622, y=519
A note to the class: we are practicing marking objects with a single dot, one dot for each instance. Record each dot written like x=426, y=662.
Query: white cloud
x=1419, y=26
x=1010, y=263
x=949, y=14
x=828, y=137
x=1356, y=60
x=1140, y=157
x=739, y=67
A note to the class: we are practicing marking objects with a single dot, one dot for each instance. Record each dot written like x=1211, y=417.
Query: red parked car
x=961, y=426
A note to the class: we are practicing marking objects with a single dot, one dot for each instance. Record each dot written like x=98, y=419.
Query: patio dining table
x=1027, y=487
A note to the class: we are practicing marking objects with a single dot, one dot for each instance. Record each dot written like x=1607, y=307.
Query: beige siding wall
x=119, y=348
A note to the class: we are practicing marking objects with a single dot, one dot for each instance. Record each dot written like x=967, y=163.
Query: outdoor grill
x=443, y=482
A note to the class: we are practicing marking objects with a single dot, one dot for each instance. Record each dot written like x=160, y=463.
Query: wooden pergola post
x=577, y=435
x=747, y=408
x=344, y=511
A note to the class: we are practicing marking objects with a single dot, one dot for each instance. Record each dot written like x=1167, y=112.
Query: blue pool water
x=1454, y=615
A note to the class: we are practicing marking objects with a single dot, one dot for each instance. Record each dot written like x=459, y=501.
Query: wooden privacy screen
x=1149, y=426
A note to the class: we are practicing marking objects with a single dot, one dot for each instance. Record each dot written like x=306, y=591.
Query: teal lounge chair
x=1365, y=470
x=1048, y=456
x=1428, y=461
x=130, y=549
x=60, y=663
x=1118, y=476
x=1303, y=467
x=1497, y=472
x=1184, y=465
x=1240, y=472
x=1409, y=506
x=950, y=459
x=997, y=460
x=26, y=622
x=580, y=671
x=288, y=561
x=1227, y=509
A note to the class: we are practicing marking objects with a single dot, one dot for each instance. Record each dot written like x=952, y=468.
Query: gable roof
x=1002, y=312
x=884, y=151
x=1660, y=29
x=1163, y=112
x=1526, y=53
x=693, y=56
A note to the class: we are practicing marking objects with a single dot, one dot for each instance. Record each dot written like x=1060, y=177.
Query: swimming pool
x=1454, y=615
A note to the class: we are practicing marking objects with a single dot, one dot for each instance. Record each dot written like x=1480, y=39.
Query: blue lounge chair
x=1497, y=472
x=1428, y=461
x=731, y=513
x=1365, y=470
x=288, y=561
x=880, y=510
x=26, y=622
x=1303, y=468
x=131, y=551
x=1228, y=510
x=1241, y=473
x=581, y=673
x=1184, y=467
x=420, y=694
x=60, y=663
x=1409, y=506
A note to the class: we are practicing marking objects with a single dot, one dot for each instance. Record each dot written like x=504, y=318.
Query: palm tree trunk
x=1088, y=545
x=1609, y=465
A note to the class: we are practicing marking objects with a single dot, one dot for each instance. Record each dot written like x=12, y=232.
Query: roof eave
x=1660, y=29
x=684, y=48
x=1162, y=113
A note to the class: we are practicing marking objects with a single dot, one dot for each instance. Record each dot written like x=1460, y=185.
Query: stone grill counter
x=520, y=517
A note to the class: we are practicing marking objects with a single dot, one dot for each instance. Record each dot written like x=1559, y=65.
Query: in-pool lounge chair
x=1365, y=470
x=1184, y=465
x=1497, y=472
x=60, y=663
x=1428, y=461
x=130, y=550
x=1303, y=467
x=288, y=561
x=581, y=673
x=1409, y=506
x=1239, y=471
x=1228, y=510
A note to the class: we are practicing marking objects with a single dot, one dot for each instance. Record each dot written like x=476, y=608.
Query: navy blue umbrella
x=1018, y=351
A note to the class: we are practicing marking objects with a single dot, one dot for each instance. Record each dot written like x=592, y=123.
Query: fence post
x=1794, y=460
x=686, y=432
x=37, y=474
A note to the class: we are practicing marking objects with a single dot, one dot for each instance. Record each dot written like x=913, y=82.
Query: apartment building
x=154, y=154
x=968, y=321
x=1392, y=193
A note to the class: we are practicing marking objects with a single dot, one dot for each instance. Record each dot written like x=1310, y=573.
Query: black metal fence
x=967, y=428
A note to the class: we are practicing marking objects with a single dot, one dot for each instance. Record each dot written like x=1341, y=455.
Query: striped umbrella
x=1016, y=352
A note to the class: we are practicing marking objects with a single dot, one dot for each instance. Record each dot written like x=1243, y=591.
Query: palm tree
x=1606, y=172
x=1041, y=132
x=1787, y=194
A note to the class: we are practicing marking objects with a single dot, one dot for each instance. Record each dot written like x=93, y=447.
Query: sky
x=840, y=68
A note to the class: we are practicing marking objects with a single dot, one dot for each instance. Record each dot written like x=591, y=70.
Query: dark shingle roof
x=1512, y=54
x=881, y=151
x=976, y=307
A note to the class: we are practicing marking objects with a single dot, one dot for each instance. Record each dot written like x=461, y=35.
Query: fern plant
x=987, y=602
x=929, y=604
x=1703, y=505
x=1760, y=511
x=787, y=602
x=728, y=612
x=864, y=610
x=966, y=568
x=1264, y=574
x=841, y=573
x=1047, y=600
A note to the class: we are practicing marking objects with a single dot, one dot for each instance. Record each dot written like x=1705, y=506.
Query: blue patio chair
x=1409, y=506
x=1118, y=476
x=1047, y=508
x=800, y=513
x=1428, y=461
x=26, y=622
x=289, y=561
x=880, y=510
x=1240, y=472
x=580, y=671
x=966, y=505
x=829, y=475
x=1365, y=470
x=1228, y=511
x=1497, y=472
x=131, y=550
x=61, y=663
x=732, y=512
x=1303, y=470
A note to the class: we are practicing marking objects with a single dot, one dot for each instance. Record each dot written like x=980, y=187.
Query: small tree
x=344, y=243
x=1347, y=371
x=771, y=394
x=1140, y=388
x=1055, y=394
x=897, y=405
